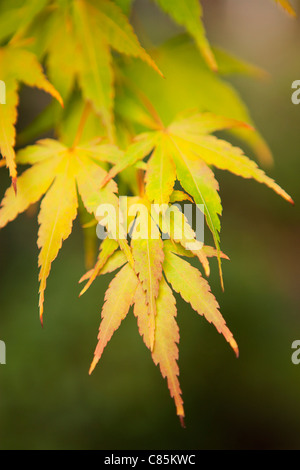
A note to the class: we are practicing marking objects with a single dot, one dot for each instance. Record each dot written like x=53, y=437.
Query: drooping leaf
x=8, y=118
x=148, y=255
x=32, y=185
x=86, y=31
x=198, y=180
x=185, y=70
x=165, y=352
x=189, y=14
x=196, y=291
x=94, y=64
x=17, y=65
x=191, y=147
x=126, y=290
x=118, y=300
x=187, y=143
x=67, y=169
x=223, y=155
x=119, y=33
x=63, y=70
x=58, y=211
x=89, y=29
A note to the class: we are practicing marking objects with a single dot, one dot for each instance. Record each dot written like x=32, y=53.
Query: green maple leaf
x=89, y=29
x=188, y=145
x=189, y=14
x=190, y=84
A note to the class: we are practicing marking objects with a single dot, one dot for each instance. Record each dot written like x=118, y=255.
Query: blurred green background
x=47, y=399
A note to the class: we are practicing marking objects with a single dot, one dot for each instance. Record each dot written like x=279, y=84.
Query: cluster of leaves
x=114, y=117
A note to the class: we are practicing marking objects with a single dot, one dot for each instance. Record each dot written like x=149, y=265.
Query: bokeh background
x=47, y=399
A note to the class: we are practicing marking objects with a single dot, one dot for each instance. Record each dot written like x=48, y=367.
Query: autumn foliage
x=119, y=126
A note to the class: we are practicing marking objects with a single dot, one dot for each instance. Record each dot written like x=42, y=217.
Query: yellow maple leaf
x=63, y=170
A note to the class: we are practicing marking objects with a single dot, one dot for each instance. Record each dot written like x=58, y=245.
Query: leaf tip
x=207, y=270
x=83, y=291
x=235, y=347
x=291, y=201
x=59, y=99
x=182, y=422
x=93, y=365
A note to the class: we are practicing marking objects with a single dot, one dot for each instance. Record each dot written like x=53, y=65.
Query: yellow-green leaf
x=165, y=352
x=223, y=155
x=188, y=282
x=58, y=211
x=148, y=255
x=32, y=184
x=67, y=169
x=161, y=175
x=118, y=31
x=118, y=300
x=17, y=65
x=94, y=64
x=189, y=14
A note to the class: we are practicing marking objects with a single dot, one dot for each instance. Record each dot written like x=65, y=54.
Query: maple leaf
x=128, y=288
x=63, y=170
x=148, y=258
x=73, y=177
x=196, y=292
x=118, y=300
x=17, y=65
x=93, y=28
x=187, y=143
x=171, y=221
x=184, y=69
x=189, y=14
x=165, y=352
x=143, y=284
